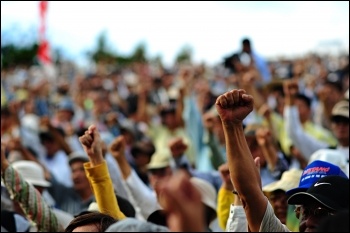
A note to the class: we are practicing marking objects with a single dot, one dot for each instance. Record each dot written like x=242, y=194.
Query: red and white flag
x=44, y=53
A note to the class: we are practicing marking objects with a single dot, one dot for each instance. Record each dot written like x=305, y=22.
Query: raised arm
x=97, y=173
x=233, y=107
x=142, y=194
x=30, y=200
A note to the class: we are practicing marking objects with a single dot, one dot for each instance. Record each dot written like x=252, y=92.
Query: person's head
x=33, y=173
x=49, y=142
x=250, y=135
x=158, y=217
x=76, y=163
x=168, y=116
x=65, y=110
x=333, y=91
x=90, y=222
x=276, y=192
x=142, y=152
x=303, y=104
x=208, y=195
x=6, y=117
x=327, y=196
x=159, y=170
x=136, y=225
x=340, y=122
x=246, y=45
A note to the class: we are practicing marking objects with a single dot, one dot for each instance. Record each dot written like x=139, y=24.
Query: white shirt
x=58, y=166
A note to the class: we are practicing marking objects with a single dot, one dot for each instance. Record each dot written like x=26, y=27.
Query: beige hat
x=341, y=109
x=32, y=172
x=290, y=179
x=159, y=161
x=207, y=191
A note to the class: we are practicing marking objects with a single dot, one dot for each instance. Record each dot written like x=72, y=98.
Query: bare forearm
x=270, y=155
x=245, y=176
x=238, y=156
x=125, y=167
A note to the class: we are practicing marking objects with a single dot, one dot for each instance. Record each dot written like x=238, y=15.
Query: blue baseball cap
x=313, y=172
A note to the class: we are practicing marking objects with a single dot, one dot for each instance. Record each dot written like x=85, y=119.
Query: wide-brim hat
x=32, y=172
x=290, y=179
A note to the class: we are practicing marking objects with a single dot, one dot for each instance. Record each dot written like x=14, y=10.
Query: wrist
x=228, y=187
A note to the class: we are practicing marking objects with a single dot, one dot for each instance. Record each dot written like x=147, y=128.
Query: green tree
x=185, y=55
x=13, y=55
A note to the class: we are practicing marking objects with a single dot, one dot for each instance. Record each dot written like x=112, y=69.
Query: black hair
x=304, y=98
x=246, y=41
x=100, y=220
x=337, y=85
x=158, y=217
x=145, y=147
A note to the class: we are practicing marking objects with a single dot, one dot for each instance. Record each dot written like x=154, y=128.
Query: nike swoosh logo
x=317, y=184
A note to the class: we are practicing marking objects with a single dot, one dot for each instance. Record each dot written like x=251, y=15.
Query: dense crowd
x=246, y=145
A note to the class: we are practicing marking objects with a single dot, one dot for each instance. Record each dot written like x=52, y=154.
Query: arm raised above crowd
x=233, y=107
x=98, y=175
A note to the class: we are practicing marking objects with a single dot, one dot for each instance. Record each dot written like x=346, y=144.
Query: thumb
x=91, y=129
x=94, y=132
x=257, y=163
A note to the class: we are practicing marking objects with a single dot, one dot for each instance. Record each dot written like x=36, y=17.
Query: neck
x=85, y=194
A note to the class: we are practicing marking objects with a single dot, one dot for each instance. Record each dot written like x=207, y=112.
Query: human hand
x=290, y=88
x=92, y=145
x=117, y=147
x=265, y=111
x=208, y=120
x=263, y=136
x=177, y=147
x=183, y=205
x=234, y=106
x=225, y=177
x=14, y=144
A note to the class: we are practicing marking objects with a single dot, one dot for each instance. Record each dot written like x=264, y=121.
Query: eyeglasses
x=306, y=212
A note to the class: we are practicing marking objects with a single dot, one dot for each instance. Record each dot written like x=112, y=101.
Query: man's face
x=311, y=214
x=158, y=176
x=278, y=200
x=80, y=181
x=340, y=128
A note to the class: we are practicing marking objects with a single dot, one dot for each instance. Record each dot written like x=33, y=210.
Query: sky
x=213, y=29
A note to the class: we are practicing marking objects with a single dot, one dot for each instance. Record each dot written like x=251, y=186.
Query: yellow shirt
x=102, y=187
x=309, y=127
x=161, y=136
x=225, y=199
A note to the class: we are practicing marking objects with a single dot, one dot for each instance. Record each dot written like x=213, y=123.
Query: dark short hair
x=145, y=147
x=100, y=220
x=246, y=41
x=304, y=98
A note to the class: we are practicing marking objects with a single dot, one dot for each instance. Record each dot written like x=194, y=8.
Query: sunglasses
x=305, y=212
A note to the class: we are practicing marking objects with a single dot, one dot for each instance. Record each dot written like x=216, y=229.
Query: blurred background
x=168, y=31
x=151, y=72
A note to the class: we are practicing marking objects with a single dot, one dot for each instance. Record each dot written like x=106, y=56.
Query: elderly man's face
x=340, y=128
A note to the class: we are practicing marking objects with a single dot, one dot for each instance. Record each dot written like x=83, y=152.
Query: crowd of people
x=247, y=145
